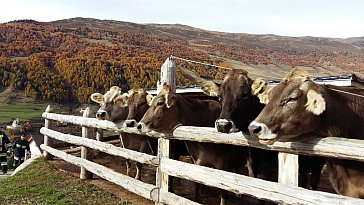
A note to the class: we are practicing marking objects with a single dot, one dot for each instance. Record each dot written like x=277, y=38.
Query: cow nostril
x=228, y=126
x=103, y=114
x=139, y=126
x=130, y=123
x=257, y=129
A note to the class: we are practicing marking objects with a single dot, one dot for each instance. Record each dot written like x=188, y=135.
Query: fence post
x=99, y=134
x=162, y=178
x=46, y=140
x=86, y=153
x=168, y=75
x=288, y=168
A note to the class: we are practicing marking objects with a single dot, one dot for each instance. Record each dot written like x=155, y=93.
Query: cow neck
x=343, y=116
x=193, y=112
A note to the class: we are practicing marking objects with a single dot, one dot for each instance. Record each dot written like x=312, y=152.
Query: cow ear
x=149, y=99
x=97, y=97
x=316, y=104
x=258, y=86
x=122, y=100
x=170, y=100
x=210, y=88
x=263, y=98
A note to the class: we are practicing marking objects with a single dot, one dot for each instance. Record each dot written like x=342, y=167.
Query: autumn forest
x=63, y=62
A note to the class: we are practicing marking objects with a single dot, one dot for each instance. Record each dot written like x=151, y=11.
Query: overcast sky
x=320, y=18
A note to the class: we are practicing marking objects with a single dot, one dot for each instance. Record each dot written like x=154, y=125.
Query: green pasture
x=42, y=183
x=25, y=111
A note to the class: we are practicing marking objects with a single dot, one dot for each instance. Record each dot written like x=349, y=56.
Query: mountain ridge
x=69, y=59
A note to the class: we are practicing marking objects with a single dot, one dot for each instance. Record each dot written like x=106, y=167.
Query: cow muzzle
x=101, y=114
x=130, y=123
x=142, y=127
x=262, y=132
x=225, y=126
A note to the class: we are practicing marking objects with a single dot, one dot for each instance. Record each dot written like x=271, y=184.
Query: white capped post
x=168, y=75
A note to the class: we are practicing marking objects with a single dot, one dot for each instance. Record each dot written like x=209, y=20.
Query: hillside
x=68, y=60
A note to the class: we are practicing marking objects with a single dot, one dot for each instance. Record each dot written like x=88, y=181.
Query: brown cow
x=299, y=108
x=112, y=104
x=237, y=94
x=114, y=107
x=169, y=110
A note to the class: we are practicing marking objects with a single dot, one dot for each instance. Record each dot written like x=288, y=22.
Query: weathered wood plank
x=162, y=178
x=288, y=168
x=86, y=153
x=102, y=146
x=99, y=134
x=96, y=123
x=46, y=140
x=135, y=186
x=239, y=184
x=329, y=146
x=78, y=149
x=138, y=187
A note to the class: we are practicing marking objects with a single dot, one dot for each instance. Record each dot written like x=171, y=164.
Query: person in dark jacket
x=4, y=143
x=19, y=147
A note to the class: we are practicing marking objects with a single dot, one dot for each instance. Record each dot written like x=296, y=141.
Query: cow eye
x=160, y=103
x=291, y=99
x=219, y=97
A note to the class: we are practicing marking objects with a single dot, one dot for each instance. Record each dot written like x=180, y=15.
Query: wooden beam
x=288, y=168
x=240, y=184
x=162, y=178
x=86, y=153
x=102, y=146
x=137, y=187
x=46, y=140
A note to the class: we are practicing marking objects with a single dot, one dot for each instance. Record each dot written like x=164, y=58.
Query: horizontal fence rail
x=235, y=183
x=240, y=184
x=143, y=189
x=101, y=146
x=335, y=147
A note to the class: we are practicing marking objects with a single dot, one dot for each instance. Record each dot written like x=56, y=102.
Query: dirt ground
x=182, y=187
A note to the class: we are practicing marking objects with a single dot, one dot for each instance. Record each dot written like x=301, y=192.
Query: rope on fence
x=197, y=62
x=216, y=66
x=341, y=91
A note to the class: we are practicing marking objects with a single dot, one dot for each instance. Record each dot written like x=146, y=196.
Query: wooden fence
x=286, y=192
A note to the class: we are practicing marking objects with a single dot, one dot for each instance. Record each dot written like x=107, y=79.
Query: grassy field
x=25, y=111
x=42, y=183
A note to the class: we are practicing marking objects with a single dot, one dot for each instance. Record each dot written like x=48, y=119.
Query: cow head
x=113, y=104
x=162, y=115
x=138, y=103
x=238, y=105
x=294, y=108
